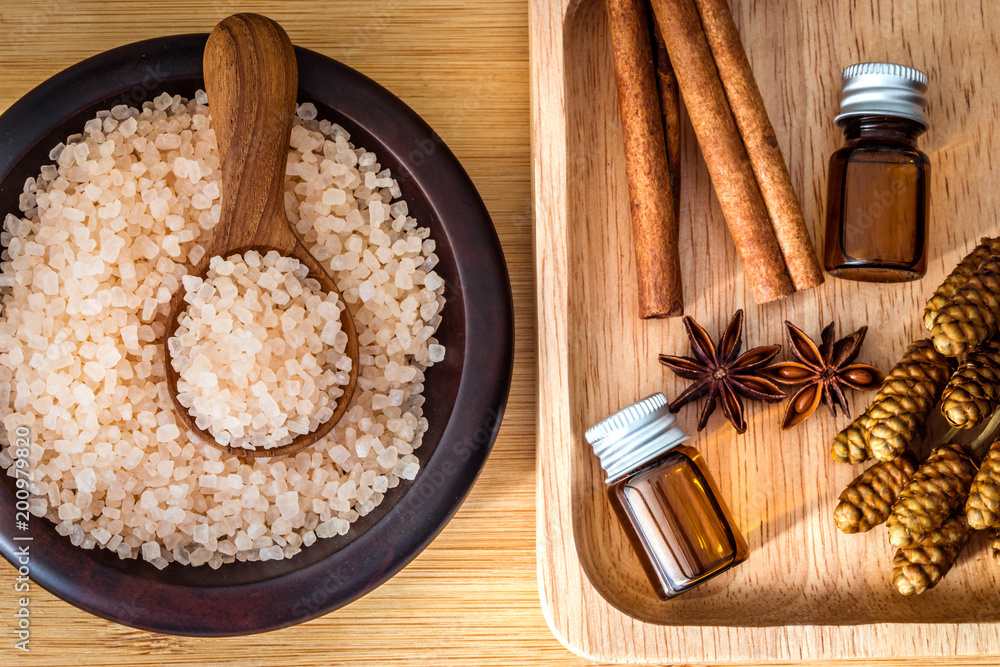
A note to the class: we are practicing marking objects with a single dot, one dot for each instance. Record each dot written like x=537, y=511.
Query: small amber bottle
x=876, y=225
x=665, y=498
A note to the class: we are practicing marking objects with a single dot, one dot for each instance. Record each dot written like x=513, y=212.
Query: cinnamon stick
x=654, y=225
x=670, y=107
x=722, y=147
x=761, y=143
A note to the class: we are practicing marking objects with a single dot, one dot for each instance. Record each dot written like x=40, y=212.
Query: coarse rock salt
x=99, y=224
x=435, y=353
x=215, y=356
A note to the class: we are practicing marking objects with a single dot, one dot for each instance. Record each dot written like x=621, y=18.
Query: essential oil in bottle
x=665, y=498
x=877, y=203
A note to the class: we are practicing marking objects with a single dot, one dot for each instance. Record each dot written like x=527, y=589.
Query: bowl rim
x=424, y=510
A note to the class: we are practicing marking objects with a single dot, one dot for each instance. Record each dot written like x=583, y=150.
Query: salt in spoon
x=251, y=78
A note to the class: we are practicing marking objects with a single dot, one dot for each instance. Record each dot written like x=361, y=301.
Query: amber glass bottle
x=877, y=202
x=665, y=498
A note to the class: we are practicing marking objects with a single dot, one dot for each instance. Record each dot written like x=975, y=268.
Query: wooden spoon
x=252, y=80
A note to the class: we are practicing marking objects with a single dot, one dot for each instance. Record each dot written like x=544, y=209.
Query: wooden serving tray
x=807, y=591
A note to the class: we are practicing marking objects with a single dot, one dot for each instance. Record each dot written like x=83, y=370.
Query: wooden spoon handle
x=251, y=79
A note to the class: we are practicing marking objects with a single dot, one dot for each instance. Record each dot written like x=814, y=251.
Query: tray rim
x=568, y=597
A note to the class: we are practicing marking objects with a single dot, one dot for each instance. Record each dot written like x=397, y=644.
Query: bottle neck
x=882, y=128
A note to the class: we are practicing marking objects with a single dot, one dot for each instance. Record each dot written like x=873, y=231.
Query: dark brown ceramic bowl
x=466, y=394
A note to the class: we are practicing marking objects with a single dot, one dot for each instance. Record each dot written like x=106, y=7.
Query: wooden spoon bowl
x=251, y=79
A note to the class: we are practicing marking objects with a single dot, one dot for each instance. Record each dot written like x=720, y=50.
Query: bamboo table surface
x=472, y=596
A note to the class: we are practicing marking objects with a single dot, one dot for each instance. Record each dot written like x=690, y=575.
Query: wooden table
x=472, y=596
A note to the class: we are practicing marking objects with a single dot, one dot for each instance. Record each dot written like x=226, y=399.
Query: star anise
x=824, y=370
x=722, y=373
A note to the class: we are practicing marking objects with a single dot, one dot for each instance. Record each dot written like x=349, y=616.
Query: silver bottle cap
x=883, y=89
x=634, y=435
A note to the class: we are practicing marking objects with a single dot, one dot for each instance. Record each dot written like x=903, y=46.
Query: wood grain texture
x=251, y=76
x=807, y=591
x=472, y=596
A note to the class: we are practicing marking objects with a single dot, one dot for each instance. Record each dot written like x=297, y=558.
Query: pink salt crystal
x=267, y=282
x=268, y=406
x=147, y=500
x=159, y=563
x=128, y=127
x=180, y=168
x=171, y=245
x=288, y=504
x=256, y=530
x=201, y=556
x=94, y=266
x=90, y=307
x=214, y=467
x=433, y=281
x=347, y=490
x=149, y=307
x=201, y=533
x=205, y=292
x=111, y=248
x=167, y=433
x=167, y=141
x=329, y=310
x=94, y=371
x=108, y=355
x=224, y=268
x=132, y=459
x=243, y=541
x=196, y=254
x=435, y=353
x=83, y=394
x=174, y=515
x=222, y=325
x=150, y=551
x=130, y=337
x=125, y=551
x=334, y=197
x=86, y=480
x=126, y=269
x=159, y=208
x=228, y=291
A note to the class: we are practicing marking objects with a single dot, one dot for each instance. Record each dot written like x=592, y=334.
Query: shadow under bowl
x=464, y=401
